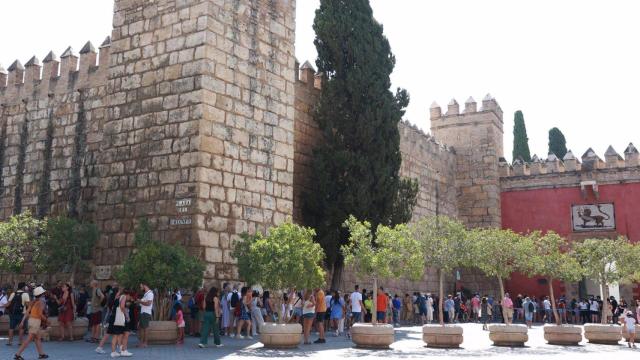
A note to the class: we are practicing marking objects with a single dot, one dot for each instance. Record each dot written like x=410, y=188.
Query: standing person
x=226, y=312
x=519, y=312
x=308, y=313
x=321, y=309
x=397, y=306
x=17, y=309
x=66, y=311
x=4, y=301
x=117, y=322
x=346, y=319
x=245, y=313
x=83, y=300
x=193, y=313
x=257, y=320
x=407, y=309
x=485, y=312
x=211, y=312
x=594, y=308
x=429, y=306
x=630, y=327
x=146, y=309
x=268, y=307
x=475, y=307
x=507, y=305
x=337, y=311
x=529, y=311
x=546, y=304
x=357, y=306
x=233, y=298
x=126, y=299
x=449, y=308
x=381, y=306
x=35, y=318
x=180, y=323
x=95, y=311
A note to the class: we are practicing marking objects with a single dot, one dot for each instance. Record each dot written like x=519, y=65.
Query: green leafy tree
x=557, y=143
x=553, y=259
x=357, y=161
x=393, y=254
x=441, y=239
x=18, y=235
x=66, y=246
x=609, y=261
x=499, y=253
x=285, y=258
x=163, y=267
x=520, y=139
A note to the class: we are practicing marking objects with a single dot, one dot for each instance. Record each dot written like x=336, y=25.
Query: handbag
x=120, y=318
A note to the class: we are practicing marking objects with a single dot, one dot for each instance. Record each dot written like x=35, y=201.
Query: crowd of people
x=236, y=311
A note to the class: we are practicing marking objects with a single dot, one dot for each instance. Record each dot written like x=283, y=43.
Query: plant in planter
x=285, y=258
x=498, y=254
x=441, y=239
x=66, y=246
x=163, y=267
x=390, y=253
x=552, y=259
x=607, y=261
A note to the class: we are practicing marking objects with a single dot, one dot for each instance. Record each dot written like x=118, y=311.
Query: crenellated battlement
x=590, y=161
x=307, y=74
x=69, y=72
x=489, y=104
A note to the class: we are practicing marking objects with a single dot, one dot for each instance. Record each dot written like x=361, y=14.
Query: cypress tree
x=520, y=139
x=557, y=143
x=356, y=165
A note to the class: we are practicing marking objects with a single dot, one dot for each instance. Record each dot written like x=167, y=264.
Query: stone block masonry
x=199, y=137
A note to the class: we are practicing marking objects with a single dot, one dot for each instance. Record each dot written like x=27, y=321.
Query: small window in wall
x=542, y=281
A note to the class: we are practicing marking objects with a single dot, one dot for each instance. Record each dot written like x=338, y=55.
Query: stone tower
x=477, y=138
x=199, y=132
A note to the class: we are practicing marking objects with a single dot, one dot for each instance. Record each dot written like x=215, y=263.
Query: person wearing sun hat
x=36, y=316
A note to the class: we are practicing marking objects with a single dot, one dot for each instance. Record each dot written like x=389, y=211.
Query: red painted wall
x=550, y=209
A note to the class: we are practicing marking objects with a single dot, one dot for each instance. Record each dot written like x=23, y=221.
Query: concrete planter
x=437, y=336
x=79, y=328
x=280, y=336
x=162, y=332
x=603, y=334
x=508, y=335
x=372, y=336
x=4, y=325
x=625, y=334
x=563, y=335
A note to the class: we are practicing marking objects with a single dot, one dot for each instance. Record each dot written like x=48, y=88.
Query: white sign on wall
x=593, y=217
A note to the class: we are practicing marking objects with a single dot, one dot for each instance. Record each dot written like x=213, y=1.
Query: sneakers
x=240, y=337
x=126, y=353
x=202, y=346
x=115, y=354
x=219, y=345
x=320, y=341
x=100, y=350
x=232, y=336
x=249, y=337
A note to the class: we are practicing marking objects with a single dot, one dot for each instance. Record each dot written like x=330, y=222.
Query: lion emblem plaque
x=593, y=217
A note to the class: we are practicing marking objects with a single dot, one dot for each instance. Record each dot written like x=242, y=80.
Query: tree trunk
x=374, y=308
x=553, y=302
x=501, y=283
x=605, y=296
x=336, y=277
x=440, y=296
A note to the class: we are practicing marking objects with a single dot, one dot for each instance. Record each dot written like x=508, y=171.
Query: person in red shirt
x=382, y=301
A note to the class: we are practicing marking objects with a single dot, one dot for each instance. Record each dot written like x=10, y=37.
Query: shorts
x=95, y=318
x=631, y=330
x=297, y=312
x=380, y=315
x=528, y=316
x=144, y=320
x=356, y=316
x=593, y=312
x=320, y=316
x=34, y=325
x=116, y=330
x=244, y=314
x=181, y=325
x=423, y=311
x=15, y=320
x=308, y=316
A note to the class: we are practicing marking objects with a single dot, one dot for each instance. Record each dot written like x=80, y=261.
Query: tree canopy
x=441, y=239
x=286, y=257
x=520, y=139
x=557, y=143
x=19, y=236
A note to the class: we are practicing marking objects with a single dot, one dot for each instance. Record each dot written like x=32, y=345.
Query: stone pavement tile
x=408, y=345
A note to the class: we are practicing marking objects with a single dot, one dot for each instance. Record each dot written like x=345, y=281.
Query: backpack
x=103, y=302
x=531, y=307
x=191, y=304
x=16, y=307
x=235, y=299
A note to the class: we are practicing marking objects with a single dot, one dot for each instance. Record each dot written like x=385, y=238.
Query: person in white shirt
x=357, y=306
x=146, y=309
x=547, y=309
x=630, y=327
x=3, y=301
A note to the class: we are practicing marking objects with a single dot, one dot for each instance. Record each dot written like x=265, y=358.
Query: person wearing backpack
x=529, y=311
x=95, y=311
x=16, y=308
x=233, y=299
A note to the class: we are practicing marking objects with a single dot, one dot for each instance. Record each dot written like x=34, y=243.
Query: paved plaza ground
x=408, y=345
